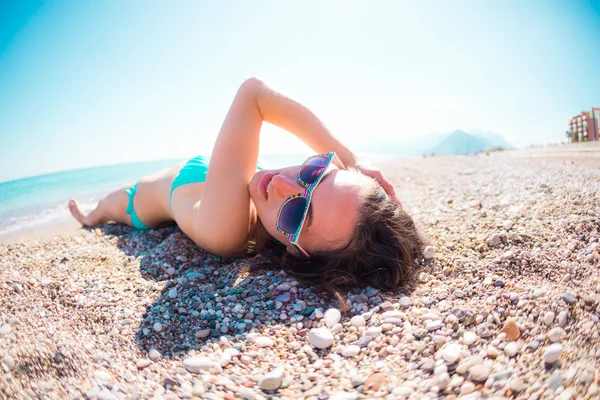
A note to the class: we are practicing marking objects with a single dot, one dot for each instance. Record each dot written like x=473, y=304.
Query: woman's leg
x=113, y=207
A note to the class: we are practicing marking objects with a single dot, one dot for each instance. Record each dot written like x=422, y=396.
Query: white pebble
x=357, y=321
x=507, y=224
x=469, y=338
x=154, y=354
x=320, y=338
x=512, y=349
x=429, y=252
x=5, y=329
x=272, y=380
x=562, y=318
x=555, y=334
x=553, y=352
x=173, y=293
x=374, y=331
x=332, y=317
x=264, y=341
x=549, y=318
x=9, y=361
x=434, y=325
x=196, y=364
x=351, y=351
x=225, y=359
x=451, y=353
x=157, y=326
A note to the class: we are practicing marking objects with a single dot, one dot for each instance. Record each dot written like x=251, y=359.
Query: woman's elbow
x=252, y=85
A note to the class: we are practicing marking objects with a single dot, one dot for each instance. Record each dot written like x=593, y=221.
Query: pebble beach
x=507, y=304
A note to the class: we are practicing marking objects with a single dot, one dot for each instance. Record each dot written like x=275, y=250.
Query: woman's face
x=333, y=211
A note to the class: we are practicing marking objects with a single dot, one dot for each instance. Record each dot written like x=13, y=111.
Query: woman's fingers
x=385, y=184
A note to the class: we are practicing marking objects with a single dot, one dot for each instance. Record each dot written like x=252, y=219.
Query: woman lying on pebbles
x=338, y=224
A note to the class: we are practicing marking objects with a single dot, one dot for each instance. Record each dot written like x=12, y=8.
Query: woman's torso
x=161, y=203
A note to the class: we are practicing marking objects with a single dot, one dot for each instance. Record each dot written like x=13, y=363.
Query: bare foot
x=76, y=212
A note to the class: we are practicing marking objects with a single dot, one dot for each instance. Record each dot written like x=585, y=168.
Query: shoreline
x=45, y=231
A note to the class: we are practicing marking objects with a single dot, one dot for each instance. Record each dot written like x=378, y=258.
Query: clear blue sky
x=87, y=83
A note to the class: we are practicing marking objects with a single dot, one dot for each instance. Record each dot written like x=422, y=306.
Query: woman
x=333, y=217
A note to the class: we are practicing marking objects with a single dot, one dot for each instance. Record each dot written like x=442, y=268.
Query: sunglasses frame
x=307, y=194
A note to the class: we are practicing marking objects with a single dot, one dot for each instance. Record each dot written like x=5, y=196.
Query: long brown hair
x=381, y=254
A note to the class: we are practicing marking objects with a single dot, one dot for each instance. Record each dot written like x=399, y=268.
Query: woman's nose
x=284, y=186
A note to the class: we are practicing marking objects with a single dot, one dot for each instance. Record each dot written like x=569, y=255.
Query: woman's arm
x=222, y=219
x=292, y=116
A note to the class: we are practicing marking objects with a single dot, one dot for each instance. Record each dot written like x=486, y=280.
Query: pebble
x=562, y=318
x=555, y=334
x=351, y=351
x=552, y=353
x=143, y=363
x=516, y=385
x=403, y=391
x=225, y=359
x=357, y=321
x=568, y=298
x=428, y=364
x=173, y=293
x=429, y=252
x=9, y=361
x=507, y=224
x=332, y=317
x=549, y=318
x=157, y=326
x=467, y=387
x=375, y=382
x=374, y=331
x=197, y=364
x=272, y=380
x=105, y=394
x=203, y=333
x=264, y=341
x=451, y=353
x=434, y=325
x=479, y=373
x=469, y=338
x=512, y=349
x=154, y=355
x=320, y=338
x=103, y=376
x=283, y=298
x=404, y=302
x=5, y=329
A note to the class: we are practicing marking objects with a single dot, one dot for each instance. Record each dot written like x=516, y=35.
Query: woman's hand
x=376, y=174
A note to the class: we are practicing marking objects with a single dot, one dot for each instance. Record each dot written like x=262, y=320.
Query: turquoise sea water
x=29, y=203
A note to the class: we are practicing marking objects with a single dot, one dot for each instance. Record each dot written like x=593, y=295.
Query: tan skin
x=219, y=214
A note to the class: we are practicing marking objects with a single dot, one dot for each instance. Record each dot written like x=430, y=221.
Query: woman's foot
x=76, y=212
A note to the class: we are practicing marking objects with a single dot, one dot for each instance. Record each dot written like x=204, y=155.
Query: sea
x=31, y=203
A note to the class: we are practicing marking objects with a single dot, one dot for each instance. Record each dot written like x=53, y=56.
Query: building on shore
x=585, y=126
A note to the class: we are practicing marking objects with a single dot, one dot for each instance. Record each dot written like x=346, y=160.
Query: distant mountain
x=460, y=142
x=457, y=142
x=494, y=138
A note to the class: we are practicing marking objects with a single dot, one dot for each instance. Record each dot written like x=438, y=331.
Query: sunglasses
x=293, y=211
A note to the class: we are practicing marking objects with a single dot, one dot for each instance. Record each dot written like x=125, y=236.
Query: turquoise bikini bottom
x=135, y=220
x=194, y=171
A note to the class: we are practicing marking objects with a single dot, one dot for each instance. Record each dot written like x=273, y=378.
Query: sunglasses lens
x=312, y=169
x=291, y=215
